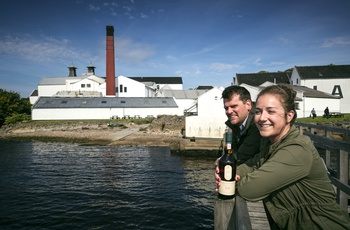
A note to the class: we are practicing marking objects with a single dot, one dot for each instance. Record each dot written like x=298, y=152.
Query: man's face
x=236, y=111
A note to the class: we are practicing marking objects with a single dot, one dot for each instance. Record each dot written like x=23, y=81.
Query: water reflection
x=58, y=185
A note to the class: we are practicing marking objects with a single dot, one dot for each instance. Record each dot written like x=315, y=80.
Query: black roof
x=159, y=80
x=34, y=93
x=308, y=92
x=323, y=72
x=256, y=79
x=104, y=102
x=204, y=87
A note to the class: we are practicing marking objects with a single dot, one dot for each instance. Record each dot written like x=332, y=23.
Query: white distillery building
x=209, y=122
x=307, y=98
x=85, y=108
x=331, y=79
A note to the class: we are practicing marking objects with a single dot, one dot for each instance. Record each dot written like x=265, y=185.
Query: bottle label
x=227, y=188
x=228, y=172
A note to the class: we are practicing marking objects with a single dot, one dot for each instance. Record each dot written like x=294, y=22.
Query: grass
x=321, y=119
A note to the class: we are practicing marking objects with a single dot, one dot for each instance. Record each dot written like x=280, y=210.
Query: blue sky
x=206, y=42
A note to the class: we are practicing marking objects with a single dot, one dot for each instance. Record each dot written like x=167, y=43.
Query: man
x=239, y=110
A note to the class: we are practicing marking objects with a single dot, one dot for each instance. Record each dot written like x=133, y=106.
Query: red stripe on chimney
x=110, y=62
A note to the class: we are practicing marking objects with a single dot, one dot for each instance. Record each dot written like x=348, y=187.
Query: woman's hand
x=217, y=176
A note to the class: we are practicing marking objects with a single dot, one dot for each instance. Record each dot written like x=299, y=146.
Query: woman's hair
x=286, y=96
x=243, y=93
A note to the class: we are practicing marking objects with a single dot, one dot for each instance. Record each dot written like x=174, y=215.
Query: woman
x=288, y=175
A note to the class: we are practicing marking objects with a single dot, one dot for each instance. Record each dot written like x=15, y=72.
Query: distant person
x=288, y=175
x=326, y=112
x=313, y=113
x=239, y=110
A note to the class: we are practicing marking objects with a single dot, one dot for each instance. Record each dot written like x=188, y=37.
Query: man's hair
x=243, y=93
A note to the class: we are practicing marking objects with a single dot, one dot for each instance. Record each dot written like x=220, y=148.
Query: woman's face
x=271, y=118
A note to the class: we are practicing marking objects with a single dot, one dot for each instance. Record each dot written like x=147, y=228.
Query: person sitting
x=313, y=112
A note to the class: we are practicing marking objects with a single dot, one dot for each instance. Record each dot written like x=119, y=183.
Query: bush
x=16, y=118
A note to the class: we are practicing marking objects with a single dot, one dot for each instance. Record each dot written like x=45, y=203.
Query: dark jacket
x=291, y=179
x=248, y=144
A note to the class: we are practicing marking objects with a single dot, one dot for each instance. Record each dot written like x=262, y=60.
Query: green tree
x=12, y=104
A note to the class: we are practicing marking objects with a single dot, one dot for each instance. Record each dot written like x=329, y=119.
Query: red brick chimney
x=110, y=62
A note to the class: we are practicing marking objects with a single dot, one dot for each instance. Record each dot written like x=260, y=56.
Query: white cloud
x=94, y=8
x=142, y=15
x=129, y=51
x=47, y=49
x=285, y=40
x=277, y=63
x=171, y=58
x=220, y=67
x=342, y=41
x=257, y=62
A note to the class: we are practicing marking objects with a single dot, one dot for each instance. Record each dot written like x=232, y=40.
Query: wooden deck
x=258, y=216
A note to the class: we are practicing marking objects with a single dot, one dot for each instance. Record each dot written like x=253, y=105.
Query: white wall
x=205, y=127
x=98, y=113
x=210, y=103
x=185, y=104
x=210, y=122
x=50, y=90
x=254, y=91
x=134, y=88
x=319, y=104
x=328, y=86
x=76, y=86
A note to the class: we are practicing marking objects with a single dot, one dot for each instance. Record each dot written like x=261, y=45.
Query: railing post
x=231, y=214
x=224, y=218
x=343, y=177
x=328, y=153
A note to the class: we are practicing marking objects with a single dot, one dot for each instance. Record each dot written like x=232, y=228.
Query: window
x=297, y=106
x=88, y=85
x=122, y=101
x=125, y=89
x=121, y=88
x=103, y=102
x=315, y=87
x=64, y=102
x=82, y=85
x=216, y=98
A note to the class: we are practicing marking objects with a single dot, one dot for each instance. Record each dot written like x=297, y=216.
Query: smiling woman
x=275, y=112
x=288, y=175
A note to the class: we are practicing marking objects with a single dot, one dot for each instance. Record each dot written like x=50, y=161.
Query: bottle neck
x=229, y=148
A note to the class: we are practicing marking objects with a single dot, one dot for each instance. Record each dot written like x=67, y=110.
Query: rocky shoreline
x=163, y=131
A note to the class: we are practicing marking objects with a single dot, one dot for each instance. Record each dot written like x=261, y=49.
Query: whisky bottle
x=227, y=169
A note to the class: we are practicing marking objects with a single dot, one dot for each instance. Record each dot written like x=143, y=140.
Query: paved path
x=128, y=131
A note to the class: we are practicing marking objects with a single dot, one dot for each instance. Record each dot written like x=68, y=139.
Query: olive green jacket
x=291, y=179
x=247, y=143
